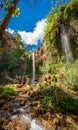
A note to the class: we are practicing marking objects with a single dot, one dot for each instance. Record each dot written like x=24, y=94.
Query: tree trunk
x=7, y=18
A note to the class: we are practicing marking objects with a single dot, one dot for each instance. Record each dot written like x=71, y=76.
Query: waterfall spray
x=66, y=44
x=65, y=41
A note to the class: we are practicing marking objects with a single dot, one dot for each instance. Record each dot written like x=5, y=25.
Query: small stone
x=2, y=101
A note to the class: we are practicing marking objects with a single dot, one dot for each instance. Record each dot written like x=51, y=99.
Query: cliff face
x=53, y=52
x=64, y=15
x=11, y=55
x=40, y=53
x=9, y=42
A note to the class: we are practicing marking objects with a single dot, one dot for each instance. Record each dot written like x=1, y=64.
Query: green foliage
x=62, y=8
x=71, y=10
x=56, y=62
x=54, y=12
x=31, y=87
x=49, y=102
x=69, y=104
x=9, y=4
x=16, y=13
x=15, y=60
x=12, y=58
x=51, y=18
x=19, y=42
x=72, y=75
x=1, y=89
x=4, y=61
x=50, y=91
x=9, y=90
x=56, y=99
x=62, y=69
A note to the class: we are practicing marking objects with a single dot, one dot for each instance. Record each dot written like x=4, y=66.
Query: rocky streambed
x=15, y=112
x=25, y=112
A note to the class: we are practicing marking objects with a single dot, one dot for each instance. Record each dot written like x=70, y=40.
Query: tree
x=10, y=10
x=7, y=17
x=11, y=6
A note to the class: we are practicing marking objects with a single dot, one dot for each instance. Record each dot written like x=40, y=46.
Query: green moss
x=9, y=90
x=49, y=102
x=71, y=10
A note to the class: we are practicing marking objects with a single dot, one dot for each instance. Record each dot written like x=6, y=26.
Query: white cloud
x=31, y=38
x=10, y=31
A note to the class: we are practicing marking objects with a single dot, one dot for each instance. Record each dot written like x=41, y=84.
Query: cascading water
x=33, y=123
x=33, y=65
x=24, y=115
x=65, y=41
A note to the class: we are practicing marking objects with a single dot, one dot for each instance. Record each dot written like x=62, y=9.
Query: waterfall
x=66, y=45
x=33, y=67
x=65, y=41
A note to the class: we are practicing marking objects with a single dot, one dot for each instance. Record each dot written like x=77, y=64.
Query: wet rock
x=1, y=128
x=2, y=102
x=4, y=120
x=11, y=97
x=8, y=108
x=15, y=111
x=57, y=128
x=17, y=124
x=22, y=102
x=55, y=121
x=59, y=120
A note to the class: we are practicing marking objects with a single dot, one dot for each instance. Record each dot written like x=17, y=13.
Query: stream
x=24, y=115
x=16, y=114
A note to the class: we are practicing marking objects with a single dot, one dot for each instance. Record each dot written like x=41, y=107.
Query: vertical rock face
x=40, y=53
x=9, y=41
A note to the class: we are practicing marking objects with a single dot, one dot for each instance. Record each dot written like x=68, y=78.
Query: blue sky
x=31, y=22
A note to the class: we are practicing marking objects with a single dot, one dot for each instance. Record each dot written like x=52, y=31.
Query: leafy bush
x=1, y=88
x=49, y=102
x=31, y=87
x=71, y=10
x=9, y=90
x=15, y=60
x=69, y=104
x=72, y=75
x=50, y=91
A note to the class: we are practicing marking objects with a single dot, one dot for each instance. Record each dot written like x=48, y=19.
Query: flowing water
x=65, y=41
x=24, y=115
x=66, y=45
x=33, y=67
x=33, y=123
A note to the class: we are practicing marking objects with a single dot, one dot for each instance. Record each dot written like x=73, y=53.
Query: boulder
x=18, y=124
x=2, y=102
